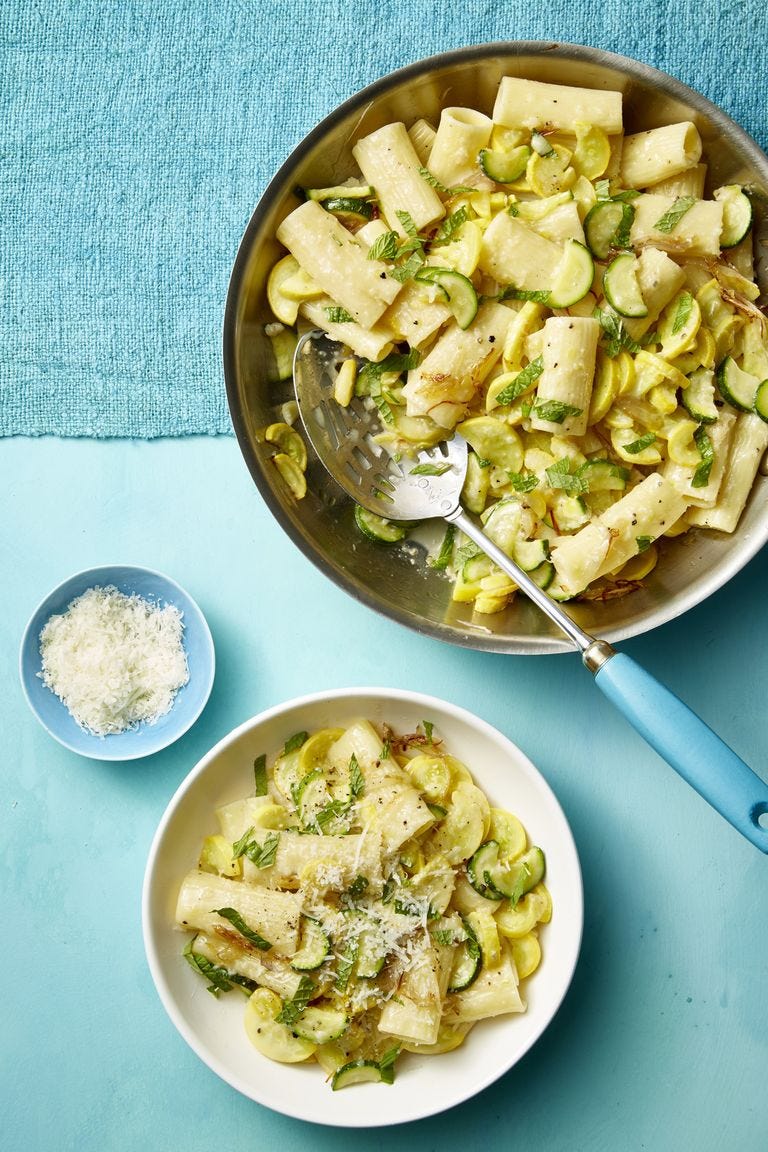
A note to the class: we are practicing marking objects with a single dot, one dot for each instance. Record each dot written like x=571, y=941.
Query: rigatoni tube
x=647, y=157
x=390, y=164
x=568, y=353
x=333, y=258
x=513, y=254
x=532, y=104
x=461, y=133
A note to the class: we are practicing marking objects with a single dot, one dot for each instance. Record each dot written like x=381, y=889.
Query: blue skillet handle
x=689, y=745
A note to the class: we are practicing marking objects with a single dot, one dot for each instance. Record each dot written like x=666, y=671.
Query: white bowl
x=424, y=1085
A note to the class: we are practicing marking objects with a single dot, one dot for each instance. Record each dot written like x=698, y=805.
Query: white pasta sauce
x=114, y=660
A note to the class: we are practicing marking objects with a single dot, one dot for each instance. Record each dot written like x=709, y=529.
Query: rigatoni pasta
x=577, y=303
x=368, y=900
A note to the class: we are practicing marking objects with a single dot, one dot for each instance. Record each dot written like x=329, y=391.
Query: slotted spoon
x=343, y=438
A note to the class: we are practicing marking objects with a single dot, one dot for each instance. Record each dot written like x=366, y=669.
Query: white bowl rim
x=91, y=577
x=395, y=695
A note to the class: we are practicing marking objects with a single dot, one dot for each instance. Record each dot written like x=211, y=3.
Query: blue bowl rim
x=104, y=575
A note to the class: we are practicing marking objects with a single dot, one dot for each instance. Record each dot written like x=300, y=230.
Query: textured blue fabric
x=138, y=136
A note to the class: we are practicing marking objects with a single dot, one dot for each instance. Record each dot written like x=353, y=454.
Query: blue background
x=138, y=138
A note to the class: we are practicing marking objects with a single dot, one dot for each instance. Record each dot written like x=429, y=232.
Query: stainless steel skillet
x=343, y=438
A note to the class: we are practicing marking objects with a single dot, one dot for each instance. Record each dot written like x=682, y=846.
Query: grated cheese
x=113, y=660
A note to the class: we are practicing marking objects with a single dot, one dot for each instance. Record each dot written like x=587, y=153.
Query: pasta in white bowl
x=383, y=910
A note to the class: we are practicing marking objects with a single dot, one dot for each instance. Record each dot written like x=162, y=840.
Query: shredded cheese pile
x=113, y=660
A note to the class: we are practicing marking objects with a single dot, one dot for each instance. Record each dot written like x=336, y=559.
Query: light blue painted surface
x=662, y=1041
x=137, y=139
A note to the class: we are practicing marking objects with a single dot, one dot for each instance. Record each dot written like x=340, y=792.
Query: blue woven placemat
x=138, y=136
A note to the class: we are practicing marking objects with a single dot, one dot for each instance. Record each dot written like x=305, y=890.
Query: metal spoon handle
x=549, y=607
x=667, y=724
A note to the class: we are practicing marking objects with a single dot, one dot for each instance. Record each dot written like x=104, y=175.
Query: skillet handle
x=689, y=745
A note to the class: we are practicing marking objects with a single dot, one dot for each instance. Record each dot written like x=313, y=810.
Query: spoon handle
x=661, y=718
x=688, y=745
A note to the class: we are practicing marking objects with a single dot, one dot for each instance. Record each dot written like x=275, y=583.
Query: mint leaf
x=261, y=855
x=409, y=227
x=338, y=315
x=555, y=411
x=345, y=966
x=356, y=778
x=621, y=237
x=522, y=382
x=560, y=476
x=614, y=329
x=520, y=884
x=293, y=743
x=294, y=1007
x=332, y=812
x=707, y=453
x=383, y=406
x=429, y=728
x=450, y=226
x=523, y=481
x=456, y=190
x=429, y=470
x=509, y=292
x=672, y=217
x=221, y=980
x=682, y=312
x=443, y=558
x=260, y=775
x=385, y=248
x=237, y=921
x=408, y=270
x=640, y=444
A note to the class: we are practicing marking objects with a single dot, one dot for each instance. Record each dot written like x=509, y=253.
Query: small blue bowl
x=146, y=738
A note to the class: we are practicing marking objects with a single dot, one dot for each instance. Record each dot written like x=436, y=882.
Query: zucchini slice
x=736, y=386
x=607, y=225
x=493, y=440
x=351, y=211
x=543, y=575
x=378, y=528
x=698, y=398
x=320, y=1025
x=468, y=961
x=761, y=400
x=479, y=867
x=530, y=554
x=573, y=277
x=314, y=948
x=461, y=294
x=622, y=288
x=513, y=880
x=362, y=1072
x=603, y=475
x=504, y=167
x=268, y=1035
x=737, y=214
x=340, y=191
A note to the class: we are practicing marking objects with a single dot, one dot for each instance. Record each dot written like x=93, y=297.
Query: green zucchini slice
x=378, y=528
x=622, y=288
x=736, y=386
x=461, y=294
